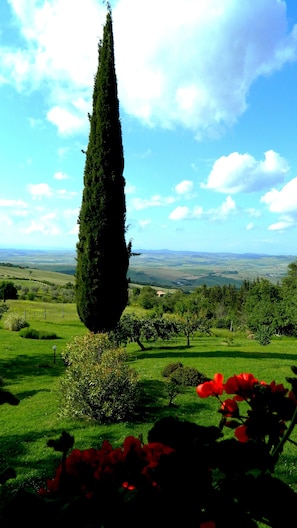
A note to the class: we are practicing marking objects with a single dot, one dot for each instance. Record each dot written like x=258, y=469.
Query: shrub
x=170, y=368
x=3, y=309
x=86, y=348
x=172, y=389
x=98, y=382
x=30, y=333
x=263, y=335
x=14, y=322
x=188, y=377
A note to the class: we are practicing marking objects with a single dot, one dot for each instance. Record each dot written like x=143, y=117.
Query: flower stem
x=278, y=449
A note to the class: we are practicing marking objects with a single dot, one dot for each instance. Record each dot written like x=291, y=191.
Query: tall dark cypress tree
x=102, y=252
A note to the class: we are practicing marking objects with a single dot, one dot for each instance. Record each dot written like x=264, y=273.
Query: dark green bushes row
x=30, y=333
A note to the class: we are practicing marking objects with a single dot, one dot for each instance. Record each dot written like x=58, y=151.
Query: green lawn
x=30, y=373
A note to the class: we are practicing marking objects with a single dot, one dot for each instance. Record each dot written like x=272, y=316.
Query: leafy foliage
x=13, y=321
x=102, y=252
x=131, y=328
x=98, y=382
x=8, y=290
x=31, y=333
x=188, y=376
x=213, y=481
x=3, y=309
x=170, y=368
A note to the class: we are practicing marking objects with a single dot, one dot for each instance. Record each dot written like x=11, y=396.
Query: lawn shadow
x=19, y=366
x=155, y=403
x=189, y=352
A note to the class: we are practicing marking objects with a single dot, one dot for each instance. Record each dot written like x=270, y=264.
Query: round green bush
x=188, y=377
x=170, y=368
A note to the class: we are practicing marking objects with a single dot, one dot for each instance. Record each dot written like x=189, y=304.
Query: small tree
x=102, y=252
x=8, y=290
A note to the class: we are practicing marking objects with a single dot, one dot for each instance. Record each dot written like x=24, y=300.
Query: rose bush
x=185, y=475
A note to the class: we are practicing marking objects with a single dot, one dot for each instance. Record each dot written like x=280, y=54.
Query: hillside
x=167, y=269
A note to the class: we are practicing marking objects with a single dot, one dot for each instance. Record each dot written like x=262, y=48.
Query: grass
x=32, y=372
x=30, y=276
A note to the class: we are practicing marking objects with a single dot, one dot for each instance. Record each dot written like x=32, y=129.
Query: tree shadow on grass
x=155, y=405
x=28, y=394
x=22, y=365
x=192, y=352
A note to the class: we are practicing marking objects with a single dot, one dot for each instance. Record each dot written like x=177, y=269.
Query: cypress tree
x=102, y=252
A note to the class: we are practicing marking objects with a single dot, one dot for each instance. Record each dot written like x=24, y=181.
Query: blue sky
x=208, y=104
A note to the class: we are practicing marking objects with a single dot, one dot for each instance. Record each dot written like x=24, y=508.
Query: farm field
x=166, y=269
x=31, y=372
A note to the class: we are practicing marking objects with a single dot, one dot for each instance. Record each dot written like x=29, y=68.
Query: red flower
x=208, y=524
x=128, y=486
x=292, y=397
x=211, y=388
x=278, y=387
x=240, y=434
x=242, y=385
x=230, y=408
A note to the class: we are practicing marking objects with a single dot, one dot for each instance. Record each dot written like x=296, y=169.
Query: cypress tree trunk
x=102, y=252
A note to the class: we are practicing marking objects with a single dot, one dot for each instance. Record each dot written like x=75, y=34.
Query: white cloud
x=60, y=176
x=177, y=74
x=71, y=213
x=284, y=223
x=46, y=225
x=129, y=188
x=39, y=190
x=243, y=173
x=179, y=213
x=155, y=201
x=283, y=201
x=5, y=221
x=223, y=211
x=67, y=121
x=66, y=195
x=253, y=212
x=13, y=203
x=185, y=187
x=74, y=230
x=250, y=226
x=214, y=214
x=209, y=88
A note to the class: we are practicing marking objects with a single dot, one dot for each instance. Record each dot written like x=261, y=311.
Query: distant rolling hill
x=167, y=269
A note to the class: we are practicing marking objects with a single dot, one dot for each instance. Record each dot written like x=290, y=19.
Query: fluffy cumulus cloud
x=177, y=73
x=55, y=56
x=39, y=190
x=222, y=212
x=185, y=187
x=237, y=173
x=180, y=213
x=283, y=201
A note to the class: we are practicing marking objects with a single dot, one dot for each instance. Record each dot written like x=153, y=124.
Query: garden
x=164, y=482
